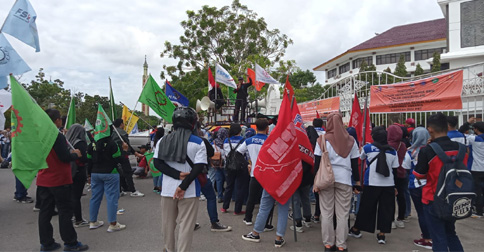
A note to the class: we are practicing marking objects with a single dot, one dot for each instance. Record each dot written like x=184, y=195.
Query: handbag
x=325, y=176
x=202, y=177
x=216, y=159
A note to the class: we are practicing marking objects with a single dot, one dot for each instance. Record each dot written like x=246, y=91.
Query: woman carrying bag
x=335, y=198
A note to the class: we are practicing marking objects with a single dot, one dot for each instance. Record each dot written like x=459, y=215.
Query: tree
x=436, y=63
x=387, y=78
x=418, y=70
x=232, y=36
x=401, y=69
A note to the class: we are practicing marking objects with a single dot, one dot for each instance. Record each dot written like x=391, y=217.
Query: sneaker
x=422, y=243
x=279, y=243
x=251, y=237
x=316, y=219
x=137, y=194
x=329, y=248
x=394, y=226
x=97, y=224
x=223, y=210
x=52, y=247
x=78, y=247
x=25, y=199
x=217, y=227
x=476, y=216
x=197, y=226
x=220, y=200
x=298, y=229
x=82, y=223
x=202, y=198
x=122, y=193
x=36, y=209
x=117, y=227
x=342, y=249
x=306, y=223
x=239, y=213
x=399, y=224
x=248, y=223
x=289, y=216
x=380, y=239
x=354, y=233
x=268, y=228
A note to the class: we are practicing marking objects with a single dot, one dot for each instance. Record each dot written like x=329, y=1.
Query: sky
x=85, y=42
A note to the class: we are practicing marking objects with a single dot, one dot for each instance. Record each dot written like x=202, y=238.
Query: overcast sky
x=84, y=42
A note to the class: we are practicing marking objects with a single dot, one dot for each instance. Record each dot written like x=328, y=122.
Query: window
x=344, y=68
x=471, y=23
x=331, y=73
x=427, y=54
x=391, y=58
x=357, y=62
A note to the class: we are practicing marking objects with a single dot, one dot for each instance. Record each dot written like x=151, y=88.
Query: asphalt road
x=19, y=231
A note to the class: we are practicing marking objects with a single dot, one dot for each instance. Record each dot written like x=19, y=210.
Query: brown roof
x=401, y=35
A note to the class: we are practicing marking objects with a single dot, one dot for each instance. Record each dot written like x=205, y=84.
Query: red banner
x=322, y=107
x=437, y=93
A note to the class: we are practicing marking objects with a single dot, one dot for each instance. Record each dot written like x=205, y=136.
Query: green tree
x=418, y=70
x=436, y=63
x=401, y=69
x=387, y=78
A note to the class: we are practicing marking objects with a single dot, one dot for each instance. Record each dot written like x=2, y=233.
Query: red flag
x=257, y=84
x=356, y=119
x=278, y=168
x=368, y=138
x=211, y=80
x=317, y=114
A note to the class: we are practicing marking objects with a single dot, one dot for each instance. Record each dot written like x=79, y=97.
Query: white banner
x=5, y=100
x=222, y=76
x=263, y=76
x=2, y=121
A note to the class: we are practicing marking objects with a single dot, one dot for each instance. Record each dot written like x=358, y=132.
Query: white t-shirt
x=197, y=152
x=341, y=166
x=409, y=163
x=251, y=146
x=373, y=178
x=477, y=144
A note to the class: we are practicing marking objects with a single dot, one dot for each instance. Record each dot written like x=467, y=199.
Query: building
x=145, y=109
x=417, y=42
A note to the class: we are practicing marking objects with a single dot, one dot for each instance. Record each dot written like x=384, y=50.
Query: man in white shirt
x=477, y=147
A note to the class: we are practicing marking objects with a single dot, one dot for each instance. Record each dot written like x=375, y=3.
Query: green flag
x=101, y=129
x=155, y=98
x=88, y=125
x=112, y=104
x=33, y=135
x=71, y=114
x=232, y=95
x=149, y=160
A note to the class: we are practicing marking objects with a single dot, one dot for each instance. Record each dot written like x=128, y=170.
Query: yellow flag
x=126, y=115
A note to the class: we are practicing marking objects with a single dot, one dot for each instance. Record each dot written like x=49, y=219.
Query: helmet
x=184, y=117
x=410, y=121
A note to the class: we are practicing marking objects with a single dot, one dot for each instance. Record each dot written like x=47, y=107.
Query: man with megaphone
x=241, y=100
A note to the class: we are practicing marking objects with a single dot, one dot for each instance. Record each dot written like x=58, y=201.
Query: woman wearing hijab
x=218, y=143
x=395, y=136
x=420, y=137
x=343, y=154
x=76, y=136
x=378, y=199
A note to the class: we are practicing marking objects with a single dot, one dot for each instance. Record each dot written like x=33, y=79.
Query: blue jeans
x=104, y=183
x=157, y=181
x=209, y=193
x=416, y=194
x=301, y=199
x=266, y=204
x=20, y=190
x=408, y=205
x=442, y=232
x=5, y=150
x=219, y=182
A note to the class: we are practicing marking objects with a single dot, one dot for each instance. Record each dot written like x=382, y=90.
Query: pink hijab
x=337, y=135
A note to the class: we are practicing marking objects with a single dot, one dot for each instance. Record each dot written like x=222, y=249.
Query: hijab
x=352, y=132
x=76, y=134
x=379, y=135
x=222, y=133
x=420, y=137
x=175, y=145
x=312, y=135
x=337, y=136
x=249, y=132
x=395, y=135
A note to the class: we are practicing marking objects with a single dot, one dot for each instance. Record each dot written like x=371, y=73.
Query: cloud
x=85, y=42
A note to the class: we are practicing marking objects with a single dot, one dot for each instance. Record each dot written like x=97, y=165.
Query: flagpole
x=132, y=113
x=364, y=136
x=292, y=198
x=1, y=29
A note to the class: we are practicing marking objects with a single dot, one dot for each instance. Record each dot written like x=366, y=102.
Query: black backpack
x=235, y=161
x=454, y=194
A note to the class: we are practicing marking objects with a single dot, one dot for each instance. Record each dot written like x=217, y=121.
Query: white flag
x=2, y=121
x=20, y=23
x=5, y=100
x=222, y=76
x=10, y=61
x=263, y=76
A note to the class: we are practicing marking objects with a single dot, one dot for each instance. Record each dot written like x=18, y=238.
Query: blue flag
x=135, y=129
x=176, y=97
x=20, y=23
x=10, y=61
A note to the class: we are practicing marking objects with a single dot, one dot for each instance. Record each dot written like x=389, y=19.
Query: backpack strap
x=462, y=152
x=440, y=153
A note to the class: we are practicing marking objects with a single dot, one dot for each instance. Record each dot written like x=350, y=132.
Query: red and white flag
x=211, y=80
x=257, y=84
x=357, y=121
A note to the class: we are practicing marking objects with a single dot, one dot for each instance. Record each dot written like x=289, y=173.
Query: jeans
x=209, y=193
x=104, y=183
x=79, y=181
x=219, y=182
x=408, y=203
x=416, y=194
x=157, y=181
x=301, y=199
x=20, y=190
x=442, y=232
x=60, y=197
x=401, y=184
x=5, y=150
x=266, y=204
x=478, y=178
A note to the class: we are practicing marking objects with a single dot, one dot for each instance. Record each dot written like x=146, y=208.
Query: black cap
x=240, y=78
x=144, y=147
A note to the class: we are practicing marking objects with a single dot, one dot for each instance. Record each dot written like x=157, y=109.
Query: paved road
x=19, y=232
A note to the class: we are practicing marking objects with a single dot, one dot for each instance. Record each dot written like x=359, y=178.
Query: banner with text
x=322, y=107
x=437, y=93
